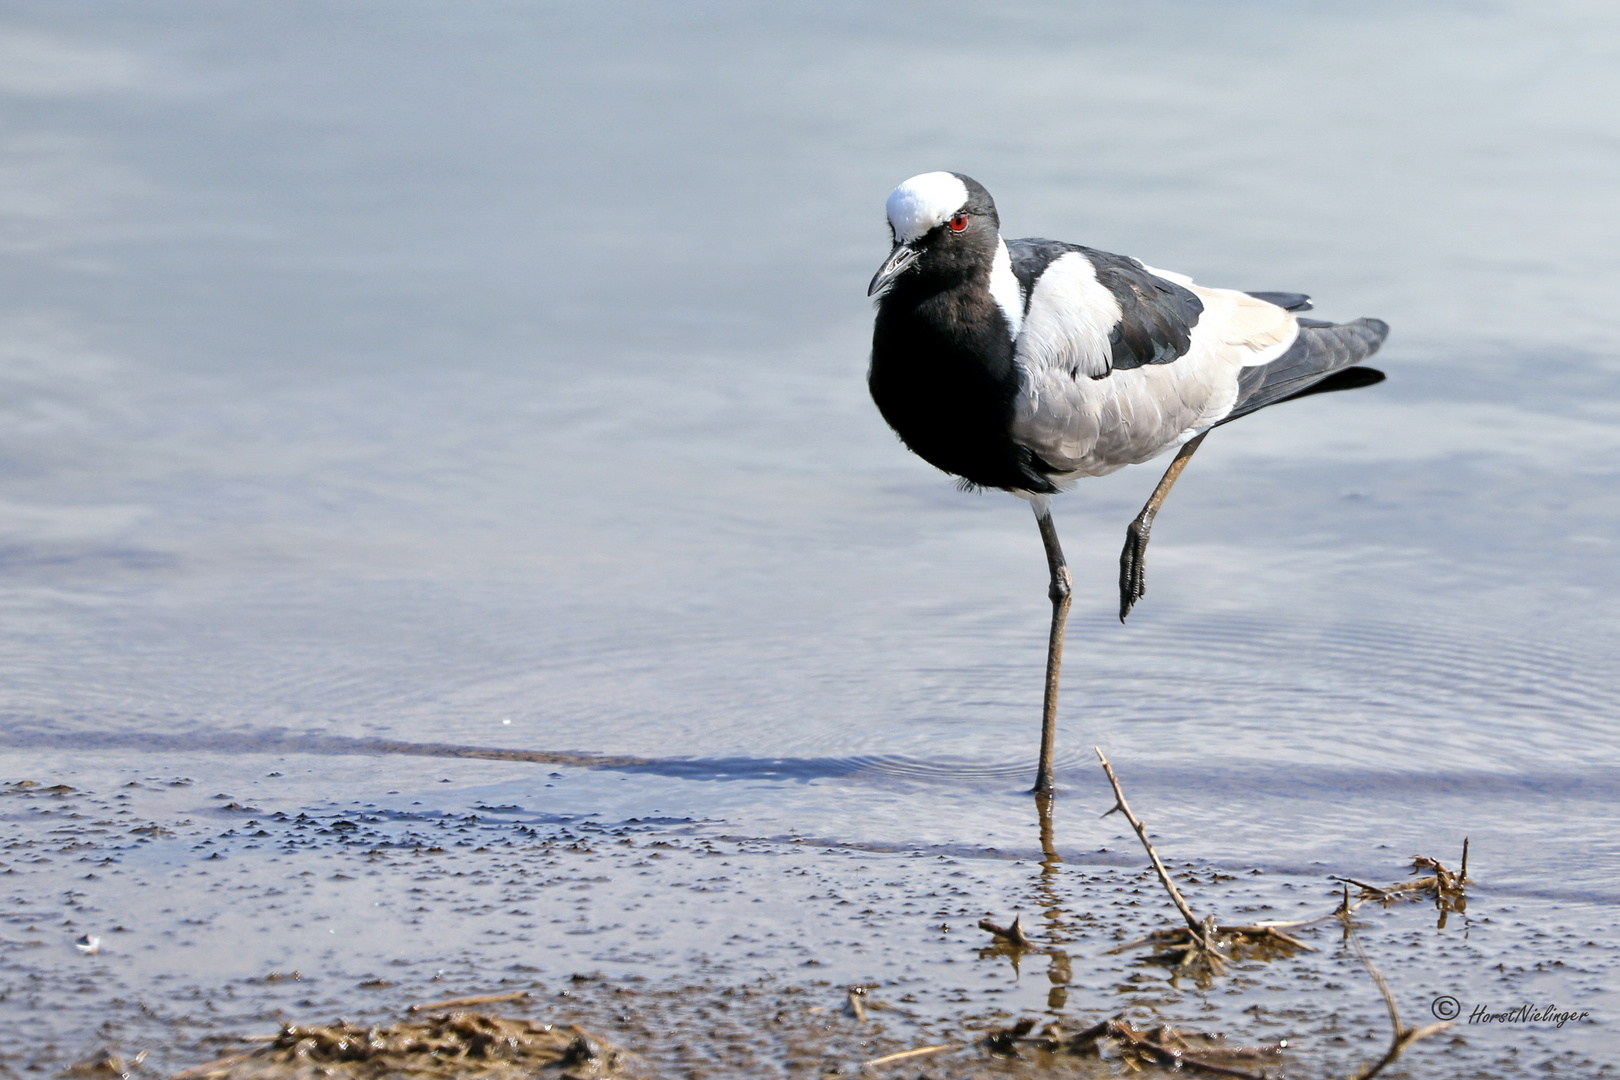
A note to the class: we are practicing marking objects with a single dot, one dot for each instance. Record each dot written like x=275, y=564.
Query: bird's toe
x=1132, y=569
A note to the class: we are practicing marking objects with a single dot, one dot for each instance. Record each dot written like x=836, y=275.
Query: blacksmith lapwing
x=1027, y=364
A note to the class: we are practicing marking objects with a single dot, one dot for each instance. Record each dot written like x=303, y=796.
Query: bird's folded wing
x=1083, y=413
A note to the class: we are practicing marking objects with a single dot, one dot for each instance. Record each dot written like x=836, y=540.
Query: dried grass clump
x=463, y=1045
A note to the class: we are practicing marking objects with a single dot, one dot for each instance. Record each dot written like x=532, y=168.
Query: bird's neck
x=943, y=375
x=950, y=304
x=962, y=297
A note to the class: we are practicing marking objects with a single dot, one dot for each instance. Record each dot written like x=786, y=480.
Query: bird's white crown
x=923, y=202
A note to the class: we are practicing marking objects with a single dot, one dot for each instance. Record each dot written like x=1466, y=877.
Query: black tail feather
x=1288, y=301
x=1350, y=378
x=1319, y=354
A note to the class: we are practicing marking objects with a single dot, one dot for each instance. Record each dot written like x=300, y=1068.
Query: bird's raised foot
x=1133, y=567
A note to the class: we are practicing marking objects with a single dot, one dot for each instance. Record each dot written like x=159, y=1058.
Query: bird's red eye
x=958, y=223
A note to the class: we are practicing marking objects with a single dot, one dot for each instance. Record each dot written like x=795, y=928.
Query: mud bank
x=176, y=915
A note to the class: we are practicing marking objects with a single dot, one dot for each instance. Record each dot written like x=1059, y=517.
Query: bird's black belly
x=943, y=376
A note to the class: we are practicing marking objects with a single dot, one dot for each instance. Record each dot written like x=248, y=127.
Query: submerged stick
x=1404, y=1036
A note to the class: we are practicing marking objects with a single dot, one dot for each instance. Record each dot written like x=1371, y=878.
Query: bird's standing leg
x=1133, y=560
x=1059, y=592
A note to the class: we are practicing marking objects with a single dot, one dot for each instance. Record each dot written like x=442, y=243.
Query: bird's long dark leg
x=1133, y=560
x=1061, y=587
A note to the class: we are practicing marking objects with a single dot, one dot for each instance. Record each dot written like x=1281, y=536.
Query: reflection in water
x=1050, y=859
x=1050, y=902
x=1046, y=897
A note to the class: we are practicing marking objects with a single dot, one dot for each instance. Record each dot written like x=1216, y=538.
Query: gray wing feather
x=1319, y=351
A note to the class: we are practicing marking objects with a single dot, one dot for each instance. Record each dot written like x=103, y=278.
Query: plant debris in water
x=471, y=1045
x=467, y=1045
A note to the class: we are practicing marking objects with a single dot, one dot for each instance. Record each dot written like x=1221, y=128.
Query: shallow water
x=376, y=375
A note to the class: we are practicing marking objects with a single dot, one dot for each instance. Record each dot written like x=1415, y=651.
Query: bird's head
x=944, y=226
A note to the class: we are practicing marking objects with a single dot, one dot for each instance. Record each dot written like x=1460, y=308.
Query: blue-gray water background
x=493, y=375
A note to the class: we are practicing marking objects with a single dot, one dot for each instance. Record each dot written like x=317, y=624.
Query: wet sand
x=224, y=910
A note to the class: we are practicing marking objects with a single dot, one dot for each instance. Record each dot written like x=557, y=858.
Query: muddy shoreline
x=222, y=910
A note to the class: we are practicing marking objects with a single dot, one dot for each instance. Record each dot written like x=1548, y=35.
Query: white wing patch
x=1070, y=316
x=1005, y=289
x=1086, y=426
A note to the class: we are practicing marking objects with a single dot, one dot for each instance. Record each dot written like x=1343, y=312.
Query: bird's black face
x=945, y=230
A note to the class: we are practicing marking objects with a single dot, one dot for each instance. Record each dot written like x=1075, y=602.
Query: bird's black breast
x=1157, y=315
x=943, y=376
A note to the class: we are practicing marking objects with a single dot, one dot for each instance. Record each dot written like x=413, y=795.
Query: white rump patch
x=1071, y=314
x=1005, y=289
x=923, y=202
x=1168, y=275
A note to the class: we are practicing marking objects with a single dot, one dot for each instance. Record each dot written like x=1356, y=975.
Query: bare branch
x=1194, y=924
x=906, y=1054
x=1404, y=1036
x=481, y=999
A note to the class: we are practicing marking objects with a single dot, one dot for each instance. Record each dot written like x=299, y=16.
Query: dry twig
x=1012, y=934
x=1158, y=1050
x=1173, y=1057
x=1198, y=944
x=1404, y=1036
x=1447, y=890
x=218, y=1065
x=1201, y=940
x=1193, y=924
x=1370, y=892
x=482, y=999
x=904, y=1055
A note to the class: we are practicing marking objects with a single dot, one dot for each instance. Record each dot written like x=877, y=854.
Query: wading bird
x=1027, y=364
